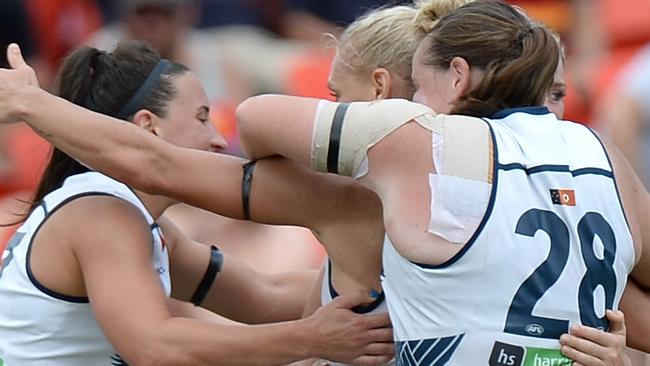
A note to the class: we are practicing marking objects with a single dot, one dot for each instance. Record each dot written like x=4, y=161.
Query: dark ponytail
x=105, y=82
x=518, y=57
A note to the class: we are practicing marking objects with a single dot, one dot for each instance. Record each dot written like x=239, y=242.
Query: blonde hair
x=430, y=11
x=388, y=37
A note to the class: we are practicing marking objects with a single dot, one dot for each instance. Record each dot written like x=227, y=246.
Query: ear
x=461, y=75
x=146, y=120
x=382, y=83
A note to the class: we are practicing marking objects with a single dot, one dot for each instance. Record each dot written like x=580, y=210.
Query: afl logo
x=535, y=329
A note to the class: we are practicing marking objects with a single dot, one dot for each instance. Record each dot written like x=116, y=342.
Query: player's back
x=553, y=248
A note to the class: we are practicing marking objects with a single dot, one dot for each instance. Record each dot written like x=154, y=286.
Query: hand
x=11, y=81
x=592, y=347
x=347, y=337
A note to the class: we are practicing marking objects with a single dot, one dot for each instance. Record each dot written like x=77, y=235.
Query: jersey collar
x=530, y=110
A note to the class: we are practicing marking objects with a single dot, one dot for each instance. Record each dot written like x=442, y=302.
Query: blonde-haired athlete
x=335, y=208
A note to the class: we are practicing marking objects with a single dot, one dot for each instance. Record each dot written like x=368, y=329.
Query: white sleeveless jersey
x=553, y=249
x=328, y=293
x=41, y=327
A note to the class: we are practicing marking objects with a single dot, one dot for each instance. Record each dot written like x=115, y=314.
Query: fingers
x=617, y=319
x=594, y=335
x=17, y=62
x=592, y=347
x=15, y=57
x=381, y=320
x=384, y=335
x=580, y=358
x=380, y=349
x=582, y=345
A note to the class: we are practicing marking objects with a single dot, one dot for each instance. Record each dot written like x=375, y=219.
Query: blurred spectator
x=603, y=37
x=309, y=19
x=283, y=33
x=264, y=14
x=168, y=26
x=58, y=27
x=625, y=113
x=556, y=14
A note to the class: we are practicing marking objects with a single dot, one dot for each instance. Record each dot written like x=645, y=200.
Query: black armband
x=246, y=188
x=214, y=267
x=335, y=138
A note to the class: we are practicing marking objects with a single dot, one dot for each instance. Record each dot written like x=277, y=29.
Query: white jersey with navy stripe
x=41, y=327
x=328, y=293
x=553, y=249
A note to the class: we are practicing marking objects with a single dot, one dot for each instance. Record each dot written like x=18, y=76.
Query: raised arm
x=277, y=125
x=282, y=192
x=120, y=149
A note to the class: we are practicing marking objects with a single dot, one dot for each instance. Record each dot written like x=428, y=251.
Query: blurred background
x=240, y=48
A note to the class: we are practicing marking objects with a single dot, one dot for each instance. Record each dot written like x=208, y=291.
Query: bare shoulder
x=91, y=219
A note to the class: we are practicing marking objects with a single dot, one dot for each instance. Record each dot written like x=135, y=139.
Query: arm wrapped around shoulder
x=344, y=132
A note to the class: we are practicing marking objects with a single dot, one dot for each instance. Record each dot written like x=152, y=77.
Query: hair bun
x=430, y=11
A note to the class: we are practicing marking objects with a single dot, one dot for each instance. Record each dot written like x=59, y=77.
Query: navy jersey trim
x=28, y=266
x=333, y=293
x=361, y=309
x=613, y=176
x=432, y=351
x=555, y=168
x=44, y=205
x=486, y=216
x=117, y=360
x=530, y=110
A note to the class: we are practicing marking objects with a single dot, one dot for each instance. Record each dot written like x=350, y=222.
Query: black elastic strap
x=216, y=263
x=335, y=138
x=247, y=179
x=134, y=103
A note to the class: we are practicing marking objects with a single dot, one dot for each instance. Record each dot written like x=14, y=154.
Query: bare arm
x=638, y=321
x=287, y=131
x=121, y=281
x=636, y=202
x=120, y=149
x=206, y=180
x=239, y=292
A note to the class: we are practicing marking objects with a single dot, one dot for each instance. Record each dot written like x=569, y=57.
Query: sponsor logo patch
x=504, y=354
x=545, y=357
